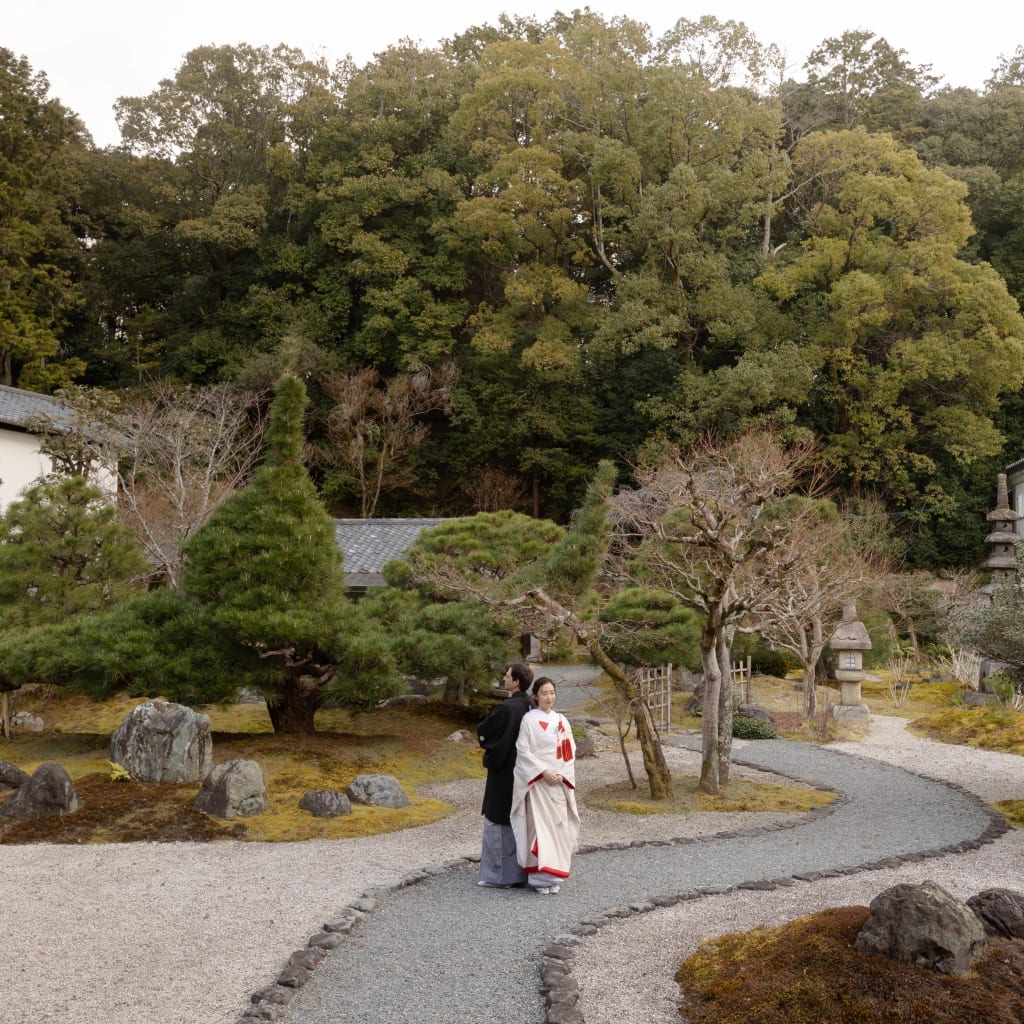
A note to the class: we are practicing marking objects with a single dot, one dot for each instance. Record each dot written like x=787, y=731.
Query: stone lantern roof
x=851, y=634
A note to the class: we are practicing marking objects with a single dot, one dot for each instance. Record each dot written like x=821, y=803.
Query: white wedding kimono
x=544, y=817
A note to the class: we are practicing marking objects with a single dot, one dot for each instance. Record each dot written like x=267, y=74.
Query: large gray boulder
x=234, y=789
x=163, y=742
x=378, y=791
x=47, y=793
x=1001, y=912
x=923, y=925
x=12, y=776
x=325, y=803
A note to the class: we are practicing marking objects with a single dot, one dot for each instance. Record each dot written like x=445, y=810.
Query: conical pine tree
x=267, y=571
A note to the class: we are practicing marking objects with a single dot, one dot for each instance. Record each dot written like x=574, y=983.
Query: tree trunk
x=725, y=703
x=659, y=778
x=293, y=709
x=709, y=762
x=454, y=691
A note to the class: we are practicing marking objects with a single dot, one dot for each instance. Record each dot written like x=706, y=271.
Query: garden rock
x=461, y=736
x=47, y=793
x=325, y=803
x=163, y=742
x=923, y=925
x=27, y=721
x=405, y=700
x=585, y=746
x=754, y=711
x=378, y=791
x=234, y=789
x=1000, y=911
x=12, y=776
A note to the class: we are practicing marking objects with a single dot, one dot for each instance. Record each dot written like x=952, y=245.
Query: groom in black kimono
x=497, y=734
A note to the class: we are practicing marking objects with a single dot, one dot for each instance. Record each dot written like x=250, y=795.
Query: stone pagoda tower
x=1002, y=541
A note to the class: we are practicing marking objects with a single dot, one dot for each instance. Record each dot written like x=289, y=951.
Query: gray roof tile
x=20, y=408
x=368, y=544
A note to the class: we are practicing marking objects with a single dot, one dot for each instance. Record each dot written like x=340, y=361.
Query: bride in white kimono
x=544, y=818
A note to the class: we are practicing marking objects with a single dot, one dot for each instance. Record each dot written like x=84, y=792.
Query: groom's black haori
x=497, y=734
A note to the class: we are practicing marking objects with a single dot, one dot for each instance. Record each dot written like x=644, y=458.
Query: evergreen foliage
x=838, y=256
x=64, y=552
x=462, y=642
x=262, y=605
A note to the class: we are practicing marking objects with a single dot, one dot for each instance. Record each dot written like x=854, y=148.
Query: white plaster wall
x=20, y=464
x=1015, y=487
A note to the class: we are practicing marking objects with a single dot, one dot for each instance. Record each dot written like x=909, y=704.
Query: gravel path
x=169, y=934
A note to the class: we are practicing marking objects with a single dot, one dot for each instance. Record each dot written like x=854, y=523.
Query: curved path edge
x=944, y=824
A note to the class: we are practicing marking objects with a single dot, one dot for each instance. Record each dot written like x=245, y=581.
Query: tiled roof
x=368, y=544
x=19, y=408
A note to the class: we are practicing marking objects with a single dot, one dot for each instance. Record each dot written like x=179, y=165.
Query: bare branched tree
x=376, y=425
x=827, y=558
x=703, y=526
x=494, y=489
x=917, y=602
x=174, y=453
x=181, y=451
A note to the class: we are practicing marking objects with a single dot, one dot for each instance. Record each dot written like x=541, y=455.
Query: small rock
x=377, y=791
x=1001, y=912
x=234, y=789
x=12, y=776
x=27, y=721
x=325, y=803
x=47, y=793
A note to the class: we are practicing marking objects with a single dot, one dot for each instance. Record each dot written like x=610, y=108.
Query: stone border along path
x=436, y=948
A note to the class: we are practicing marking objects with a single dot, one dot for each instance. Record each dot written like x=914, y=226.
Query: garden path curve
x=444, y=950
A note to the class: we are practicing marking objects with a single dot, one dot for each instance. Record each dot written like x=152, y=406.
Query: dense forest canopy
x=604, y=242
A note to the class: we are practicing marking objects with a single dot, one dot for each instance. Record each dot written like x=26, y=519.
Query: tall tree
x=865, y=81
x=831, y=558
x=375, y=427
x=42, y=145
x=231, y=132
x=911, y=346
x=175, y=454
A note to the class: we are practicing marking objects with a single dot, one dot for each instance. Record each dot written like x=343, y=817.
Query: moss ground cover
x=808, y=971
x=411, y=745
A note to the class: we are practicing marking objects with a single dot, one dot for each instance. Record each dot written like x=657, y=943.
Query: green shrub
x=766, y=662
x=752, y=729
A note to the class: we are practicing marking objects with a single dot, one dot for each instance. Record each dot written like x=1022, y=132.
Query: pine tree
x=267, y=572
x=63, y=551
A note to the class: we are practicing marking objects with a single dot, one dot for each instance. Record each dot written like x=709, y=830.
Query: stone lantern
x=849, y=641
x=1002, y=541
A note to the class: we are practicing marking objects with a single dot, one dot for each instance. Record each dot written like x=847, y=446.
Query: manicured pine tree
x=267, y=572
x=63, y=551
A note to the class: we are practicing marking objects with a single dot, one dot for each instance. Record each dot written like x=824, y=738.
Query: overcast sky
x=94, y=51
